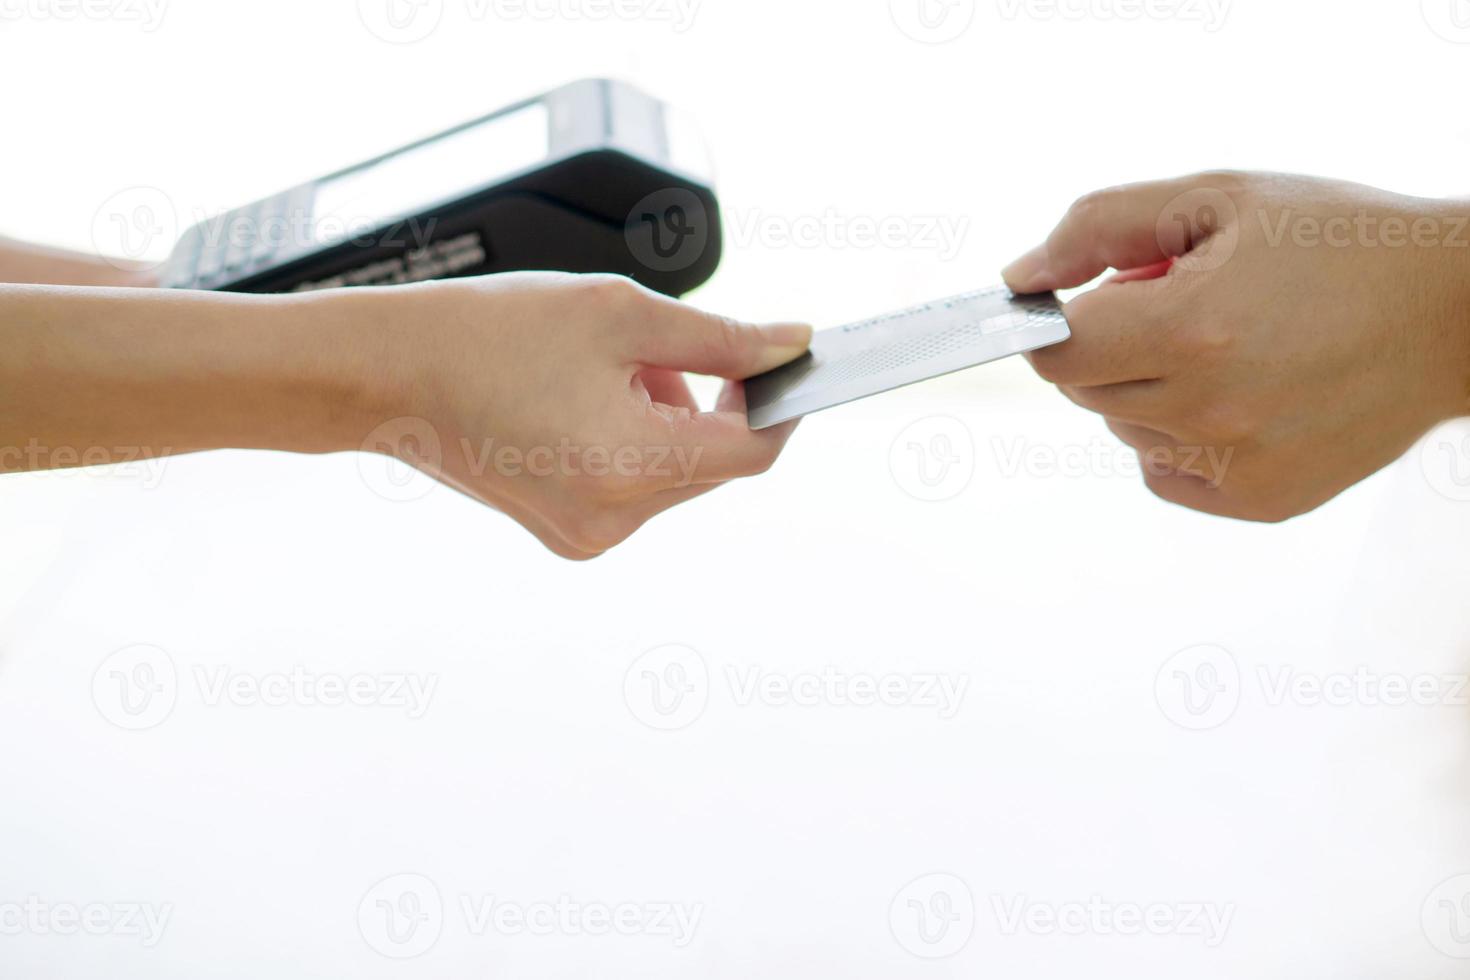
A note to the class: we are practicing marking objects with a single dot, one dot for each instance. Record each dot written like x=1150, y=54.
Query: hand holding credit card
x=887, y=352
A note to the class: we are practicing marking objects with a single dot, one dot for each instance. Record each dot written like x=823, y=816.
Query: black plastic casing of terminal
x=608, y=198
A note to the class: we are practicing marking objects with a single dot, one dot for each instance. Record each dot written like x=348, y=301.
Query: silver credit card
x=887, y=352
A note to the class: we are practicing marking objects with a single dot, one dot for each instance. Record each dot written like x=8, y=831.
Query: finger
x=1139, y=402
x=668, y=387
x=685, y=339
x=673, y=497
x=732, y=401
x=1159, y=452
x=732, y=397
x=713, y=447
x=1115, y=338
x=1117, y=228
x=1139, y=437
x=1156, y=271
x=731, y=450
x=1188, y=491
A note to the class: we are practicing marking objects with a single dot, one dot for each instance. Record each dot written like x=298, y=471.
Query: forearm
x=22, y=262
x=40, y=265
x=103, y=375
x=1462, y=318
x=1452, y=266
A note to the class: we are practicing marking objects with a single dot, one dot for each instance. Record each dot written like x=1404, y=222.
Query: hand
x=561, y=401
x=1305, y=335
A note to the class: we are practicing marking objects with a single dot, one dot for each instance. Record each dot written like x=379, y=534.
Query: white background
x=1058, y=596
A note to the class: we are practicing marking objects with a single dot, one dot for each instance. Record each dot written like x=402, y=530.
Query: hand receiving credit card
x=887, y=352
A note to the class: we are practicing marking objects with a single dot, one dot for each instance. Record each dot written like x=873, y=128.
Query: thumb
x=691, y=340
x=1127, y=227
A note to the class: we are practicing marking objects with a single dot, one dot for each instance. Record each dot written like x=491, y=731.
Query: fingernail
x=785, y=342
x=797, y=335
x=1028, y=273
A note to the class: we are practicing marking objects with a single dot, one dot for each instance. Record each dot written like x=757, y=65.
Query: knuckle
x=611, y=291
x=728, y=336
x=1204, y=338
x=1091, y=205
x=1245, y=191
x=1227, y=180
x=677, y=425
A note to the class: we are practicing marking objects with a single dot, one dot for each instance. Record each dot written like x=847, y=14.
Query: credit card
x=898, y=349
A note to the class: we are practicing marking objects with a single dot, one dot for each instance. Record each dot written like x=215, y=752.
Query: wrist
x=349, y=366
